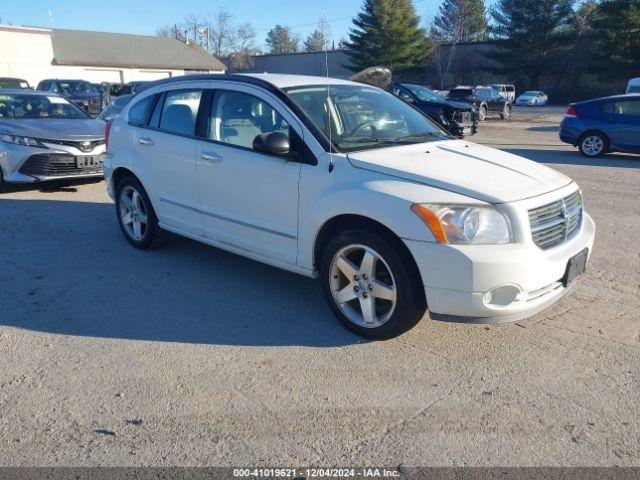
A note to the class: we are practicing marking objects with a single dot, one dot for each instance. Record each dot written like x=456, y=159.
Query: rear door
x=166, y=158
x=623, y=119
x=249, y=199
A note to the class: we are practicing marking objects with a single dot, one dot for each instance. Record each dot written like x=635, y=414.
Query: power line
x=333, y=20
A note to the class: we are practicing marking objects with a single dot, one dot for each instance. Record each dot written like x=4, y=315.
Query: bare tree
x=166, y=31
x=222, y=33
x=244, y=46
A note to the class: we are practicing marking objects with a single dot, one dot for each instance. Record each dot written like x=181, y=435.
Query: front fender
x=353, y=191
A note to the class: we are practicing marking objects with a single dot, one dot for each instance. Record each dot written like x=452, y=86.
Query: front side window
x=238, y=118
x=25, y=106
x=361, y=117
x=180, y=111
x=139, y=111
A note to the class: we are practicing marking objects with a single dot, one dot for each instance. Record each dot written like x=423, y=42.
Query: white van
x=634, y=85
x=506, y=91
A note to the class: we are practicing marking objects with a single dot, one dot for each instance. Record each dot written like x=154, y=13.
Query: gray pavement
x=188, y=355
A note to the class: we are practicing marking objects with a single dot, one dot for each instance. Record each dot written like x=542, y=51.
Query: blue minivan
x=610, y=124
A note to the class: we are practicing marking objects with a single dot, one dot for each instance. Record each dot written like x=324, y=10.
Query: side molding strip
x=227, y=219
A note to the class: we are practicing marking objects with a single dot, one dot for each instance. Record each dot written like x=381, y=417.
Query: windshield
x=18, y=106
x=364, y=117
x=423, y=93
x=634, y=89
x=529, y=94
x=69, y=87
x=13, y=83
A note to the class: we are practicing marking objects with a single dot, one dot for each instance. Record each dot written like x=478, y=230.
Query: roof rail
x=319, y=135
x=208, y=76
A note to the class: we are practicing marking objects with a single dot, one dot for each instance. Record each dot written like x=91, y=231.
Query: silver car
x=45, y=137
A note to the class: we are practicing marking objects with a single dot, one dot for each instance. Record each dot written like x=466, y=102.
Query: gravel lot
x=188, y=355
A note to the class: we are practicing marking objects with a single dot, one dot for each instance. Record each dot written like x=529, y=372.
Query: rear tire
x=370, y=285
x=593, y=144
x=136, y=216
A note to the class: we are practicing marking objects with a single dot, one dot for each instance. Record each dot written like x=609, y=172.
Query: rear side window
x=629, y=108
x=180, y=111
x=139, y=112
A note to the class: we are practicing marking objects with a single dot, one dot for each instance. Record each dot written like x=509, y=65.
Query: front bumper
x=457, y=277
x=22, y=164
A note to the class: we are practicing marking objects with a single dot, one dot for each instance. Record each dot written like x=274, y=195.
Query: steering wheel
x=366, y=123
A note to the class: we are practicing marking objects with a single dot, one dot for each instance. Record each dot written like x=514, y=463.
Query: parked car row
x=361, y=186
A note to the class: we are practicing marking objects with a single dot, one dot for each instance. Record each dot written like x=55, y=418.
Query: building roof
x=99, y=49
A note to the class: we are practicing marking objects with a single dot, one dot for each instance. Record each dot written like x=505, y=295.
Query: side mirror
x=274, y=143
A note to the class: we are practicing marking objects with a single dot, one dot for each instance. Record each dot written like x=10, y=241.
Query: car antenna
x=326, y=67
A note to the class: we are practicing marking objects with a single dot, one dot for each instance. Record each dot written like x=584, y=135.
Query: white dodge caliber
x=346, y=182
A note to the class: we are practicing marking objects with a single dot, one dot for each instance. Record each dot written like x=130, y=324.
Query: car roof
x=27, y=91
x=265, y=80
x=281, y=80
x=612, y=97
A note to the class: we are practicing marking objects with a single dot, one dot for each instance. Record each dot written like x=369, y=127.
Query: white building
x=34, y=54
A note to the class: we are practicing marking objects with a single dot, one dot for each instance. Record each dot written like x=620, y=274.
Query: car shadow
x=549, y=128
x=66, y=269
x=565, y=157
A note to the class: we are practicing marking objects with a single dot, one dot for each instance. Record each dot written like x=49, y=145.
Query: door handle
x=210, y=157
x=145, y=141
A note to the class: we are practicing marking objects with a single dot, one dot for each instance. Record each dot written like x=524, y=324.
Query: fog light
x=501, y=296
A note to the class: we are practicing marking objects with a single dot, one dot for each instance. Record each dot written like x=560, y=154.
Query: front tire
x=506, y=112
x=370, y=286
x=593, y=144
x=136, y=217
x=3, y=184
x=482, y=113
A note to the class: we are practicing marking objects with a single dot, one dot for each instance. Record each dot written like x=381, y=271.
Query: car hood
x=54, y=129
x=462, y=167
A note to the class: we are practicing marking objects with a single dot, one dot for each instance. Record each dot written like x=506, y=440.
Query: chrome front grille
x=556, y=222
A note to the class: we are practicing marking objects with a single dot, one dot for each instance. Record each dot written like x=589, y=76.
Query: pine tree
x=387, y=33
x=315, y=42
x=532, y=35
x=282, y=40
x=460, y=21
x=617, y=28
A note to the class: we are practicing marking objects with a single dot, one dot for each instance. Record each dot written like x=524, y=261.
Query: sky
x=144, y=17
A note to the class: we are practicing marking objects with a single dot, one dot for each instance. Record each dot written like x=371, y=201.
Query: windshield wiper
x=360, y=140
x=417, y=136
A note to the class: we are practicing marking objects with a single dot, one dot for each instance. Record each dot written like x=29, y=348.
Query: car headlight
x=18, y=140
x=465, y=224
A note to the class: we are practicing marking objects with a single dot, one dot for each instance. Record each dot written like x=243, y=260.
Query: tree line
x=535, y=38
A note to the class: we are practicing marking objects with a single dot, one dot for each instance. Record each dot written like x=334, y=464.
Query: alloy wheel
x=592, y=145
x=363, y=286
x=133, y=213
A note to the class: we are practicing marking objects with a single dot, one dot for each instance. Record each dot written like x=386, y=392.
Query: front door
x=623, y=117
x=249, y=200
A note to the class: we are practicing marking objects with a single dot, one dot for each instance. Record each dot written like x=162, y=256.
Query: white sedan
x=532, y=99
x=347, y=183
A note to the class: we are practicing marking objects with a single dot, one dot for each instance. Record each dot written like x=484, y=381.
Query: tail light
x=107, y=131
x=571, y=112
